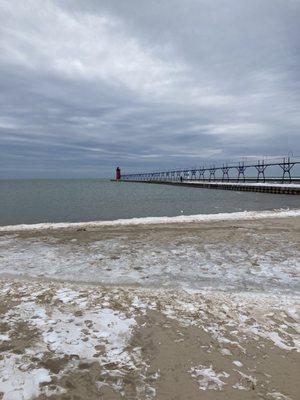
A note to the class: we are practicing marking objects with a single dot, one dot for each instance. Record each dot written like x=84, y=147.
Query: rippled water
x=33, y=201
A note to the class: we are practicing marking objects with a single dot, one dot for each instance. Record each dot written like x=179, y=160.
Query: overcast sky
x=86, y=85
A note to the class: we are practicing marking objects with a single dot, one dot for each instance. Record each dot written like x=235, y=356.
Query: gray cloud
x=86, y=85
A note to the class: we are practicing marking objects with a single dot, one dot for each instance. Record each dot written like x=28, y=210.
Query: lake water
x=75, y=200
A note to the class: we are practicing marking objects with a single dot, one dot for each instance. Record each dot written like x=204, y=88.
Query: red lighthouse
x=118, y=174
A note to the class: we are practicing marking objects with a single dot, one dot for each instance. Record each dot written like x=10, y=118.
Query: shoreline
x=182, y=219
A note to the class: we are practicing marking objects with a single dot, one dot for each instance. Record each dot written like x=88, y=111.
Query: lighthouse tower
x=118, y=174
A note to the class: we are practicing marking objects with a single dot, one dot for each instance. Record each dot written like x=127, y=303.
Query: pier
x=241, y=176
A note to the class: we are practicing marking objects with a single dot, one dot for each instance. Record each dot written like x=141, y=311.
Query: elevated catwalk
x=230, y=176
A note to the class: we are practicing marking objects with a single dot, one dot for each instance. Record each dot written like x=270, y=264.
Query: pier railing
x=243, y=171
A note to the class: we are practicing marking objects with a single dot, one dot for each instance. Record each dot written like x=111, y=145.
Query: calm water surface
x=34, y=201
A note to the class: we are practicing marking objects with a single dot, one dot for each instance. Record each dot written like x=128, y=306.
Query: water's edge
x=245, y=215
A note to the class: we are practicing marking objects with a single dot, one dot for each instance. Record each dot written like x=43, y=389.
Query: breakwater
x=266, y=187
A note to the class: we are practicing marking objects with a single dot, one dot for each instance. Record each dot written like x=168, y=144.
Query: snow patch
x=18, y=381
x=237, y=363
x=66, y=295
x=4, y=337
x=207, y=378
x=225, y=352
x=277, y=396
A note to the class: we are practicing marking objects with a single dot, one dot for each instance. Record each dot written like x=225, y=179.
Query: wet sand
x=180, y=311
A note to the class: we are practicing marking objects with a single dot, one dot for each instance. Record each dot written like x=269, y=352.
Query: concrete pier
x=266, y=187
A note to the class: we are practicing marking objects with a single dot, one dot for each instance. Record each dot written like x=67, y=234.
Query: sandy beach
x=206, y=309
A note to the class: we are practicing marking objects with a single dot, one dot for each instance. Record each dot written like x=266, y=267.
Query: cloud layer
x=86, y=85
